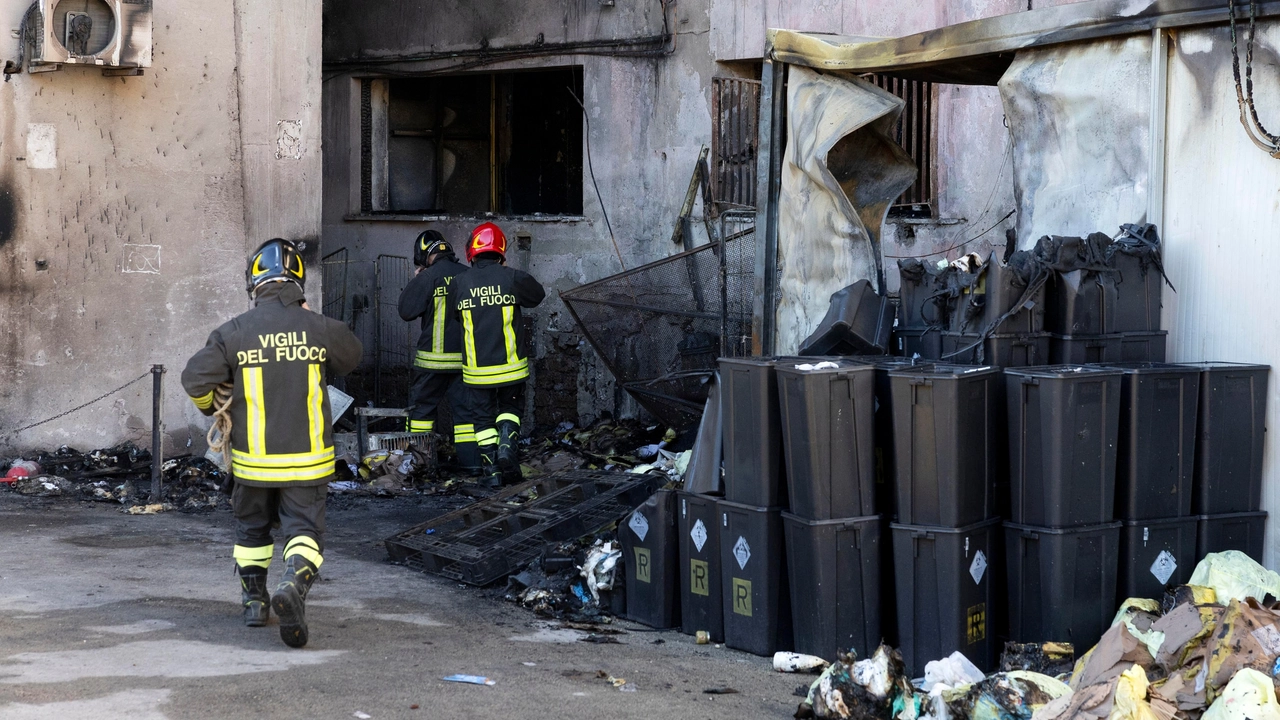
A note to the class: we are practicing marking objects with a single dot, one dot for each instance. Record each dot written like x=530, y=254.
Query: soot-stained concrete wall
x=648, y=119
x=123, y=208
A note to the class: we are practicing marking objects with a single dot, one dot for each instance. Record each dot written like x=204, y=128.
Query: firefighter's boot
x=490, y=475
x=254, y=597
x=509, y=447
x=289, y=600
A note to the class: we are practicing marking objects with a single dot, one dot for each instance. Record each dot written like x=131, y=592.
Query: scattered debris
x=361, y=715
x=470, y=679
x=790, y=662
x=150, y=509
x=852, y=689
x=720, y=691
x=702, y=637
x=1052, y=659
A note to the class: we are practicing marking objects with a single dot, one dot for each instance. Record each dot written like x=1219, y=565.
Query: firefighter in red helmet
x=488, y=301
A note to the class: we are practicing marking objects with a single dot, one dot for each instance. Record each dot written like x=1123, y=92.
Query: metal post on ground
x=157, y=452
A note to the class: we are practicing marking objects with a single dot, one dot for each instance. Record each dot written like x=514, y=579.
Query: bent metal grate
x=660, y=328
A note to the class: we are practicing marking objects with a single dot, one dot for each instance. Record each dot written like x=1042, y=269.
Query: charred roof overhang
x=979, y=52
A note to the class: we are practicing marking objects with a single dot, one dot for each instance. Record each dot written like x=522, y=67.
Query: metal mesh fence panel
x=395, y=337
x=334, y=266
x=661, y=327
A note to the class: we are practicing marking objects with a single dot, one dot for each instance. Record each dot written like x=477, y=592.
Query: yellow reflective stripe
x=469, y=338
x=437, y=329
x=508, y=416
x=204, y=402
x=306, y=548
x=257, y=411
x=249, y=472
x=471, y=378
x=521, y=364
x=438, y=361
x=422, y=425
x=315, y=407
x=282, y=460
x=253, y=556
x=465, y=432
x=509, y=333
x=487, y=437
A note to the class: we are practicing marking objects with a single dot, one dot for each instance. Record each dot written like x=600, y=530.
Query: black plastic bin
x=753, y=576
x=1006, y=286
x=1111, y=348
x=943, y=578
x=834, y=571
x=753, y=471
x=701, y=603
x=1245, y=532
x=1081, y=302
x=650, y=547
x=884, y=449
x=1138, y=289
x=1154, y=555
x=1062, y=582
x=859, y=320
x=946, y=420
x=1063, y=428
x=828, y=426
x=924, y=342
x=1229, y=438
x=1155, y=455
x=1001, y=350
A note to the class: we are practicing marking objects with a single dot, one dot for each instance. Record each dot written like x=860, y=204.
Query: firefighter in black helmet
x=277, y=358
x=488, y=301
x=438, y=362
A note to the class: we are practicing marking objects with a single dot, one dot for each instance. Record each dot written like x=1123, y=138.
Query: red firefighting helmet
x=486, y=238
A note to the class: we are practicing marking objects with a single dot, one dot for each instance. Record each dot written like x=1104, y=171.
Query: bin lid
x=1210, y=366
x=1077, y=530
x=750, y=361
x=889, y=362
x=1062, y=371
x=864, y=520
x=1144, y=368
x=946, y=370
x=820, y=365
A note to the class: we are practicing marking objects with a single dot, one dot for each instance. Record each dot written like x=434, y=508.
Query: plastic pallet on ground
x=580, y=502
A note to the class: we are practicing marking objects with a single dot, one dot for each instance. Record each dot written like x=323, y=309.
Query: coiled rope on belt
x=219, y=435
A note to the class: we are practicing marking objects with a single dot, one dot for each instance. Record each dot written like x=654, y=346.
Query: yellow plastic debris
x=1131, y=697
x=1235, y=576
x=1249, y=696
x=1129, y=613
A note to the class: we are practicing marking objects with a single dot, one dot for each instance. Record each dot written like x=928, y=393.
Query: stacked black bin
x=1062, y=543
x=1009, y=303
x=833, y=534
x=755, y=601
x=1106, y=308
x=650, y=561
x=946, y=538
x=1155, y=460
x=701, y=598
x=1226, y=487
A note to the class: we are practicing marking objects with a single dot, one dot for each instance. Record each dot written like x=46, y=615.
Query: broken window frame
x=376, y=134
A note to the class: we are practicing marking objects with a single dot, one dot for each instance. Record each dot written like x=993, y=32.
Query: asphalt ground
x=105, y=615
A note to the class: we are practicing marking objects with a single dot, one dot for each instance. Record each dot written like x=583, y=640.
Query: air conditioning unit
x=103, y=33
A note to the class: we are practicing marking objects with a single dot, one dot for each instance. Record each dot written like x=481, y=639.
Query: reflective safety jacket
x=488, y=299
x=278, y=356
x=427, y=296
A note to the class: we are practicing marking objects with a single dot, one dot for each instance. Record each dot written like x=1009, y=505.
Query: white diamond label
x=699, y=534
x=978, y=567
x=742, y=551
x=1164, y=566
x=639, y=525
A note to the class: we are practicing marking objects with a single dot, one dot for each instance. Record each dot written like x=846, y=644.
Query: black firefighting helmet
x=276, y=260
x=429, y=243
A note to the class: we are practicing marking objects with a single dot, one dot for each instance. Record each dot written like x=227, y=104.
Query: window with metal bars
x=917, y=134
